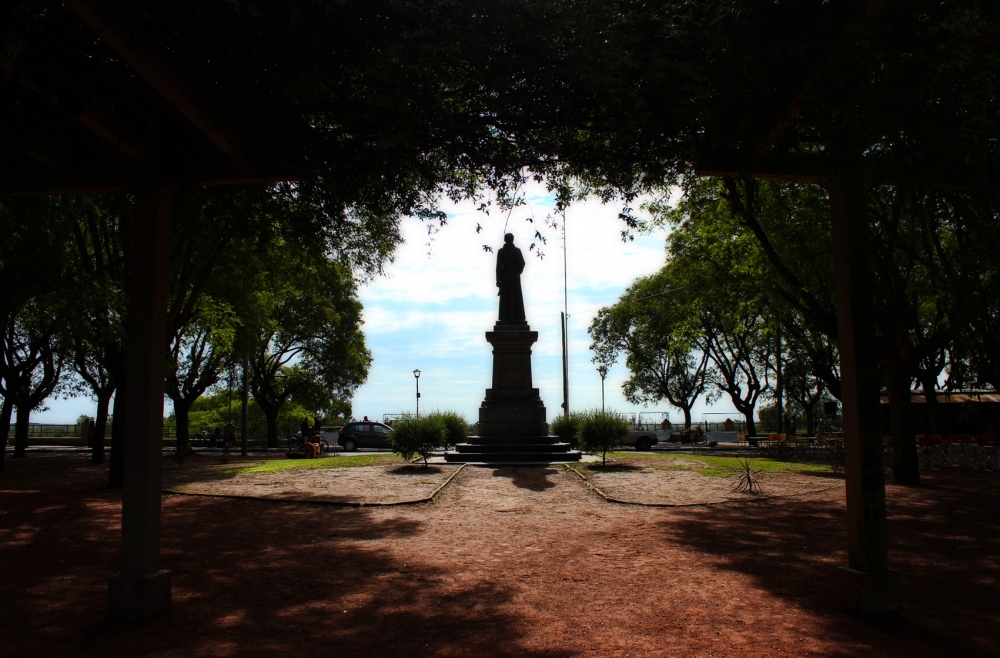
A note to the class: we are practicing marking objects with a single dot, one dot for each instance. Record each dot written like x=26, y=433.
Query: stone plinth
x=512, y=425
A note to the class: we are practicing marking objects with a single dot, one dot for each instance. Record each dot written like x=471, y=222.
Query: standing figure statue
x=510, y=264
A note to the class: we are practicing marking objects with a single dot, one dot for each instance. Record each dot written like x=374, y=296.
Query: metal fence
x=53, y=431
x=389, y=419
x=935, y=454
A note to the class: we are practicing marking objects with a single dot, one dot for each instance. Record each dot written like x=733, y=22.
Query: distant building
x=958, y=412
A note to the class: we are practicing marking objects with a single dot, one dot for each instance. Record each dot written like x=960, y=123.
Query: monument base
x=866, y=593
x=135, y=598
x=513, y=450
x=512, y=427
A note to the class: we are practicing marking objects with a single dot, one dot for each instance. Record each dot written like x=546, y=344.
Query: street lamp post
x=603, y=370
x=416, y=376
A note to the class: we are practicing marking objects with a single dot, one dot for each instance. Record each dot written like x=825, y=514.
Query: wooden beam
x=61, y=182
x=867, y=584
x=151, y=62
x=49, y=160
x=142, y=590
x=822, y=169
x=804, y=168
x=95, y=116
x=83, y=182
x=247, y=173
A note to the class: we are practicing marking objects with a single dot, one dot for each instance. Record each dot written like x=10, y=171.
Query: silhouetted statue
x=510, y=264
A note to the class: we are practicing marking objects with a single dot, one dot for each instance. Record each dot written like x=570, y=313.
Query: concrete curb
x=327, y=503
x=755, y=499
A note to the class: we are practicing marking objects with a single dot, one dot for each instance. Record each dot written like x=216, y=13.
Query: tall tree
x=308, y=332
x=195, y=362
x=31, y=362
x=659, y=347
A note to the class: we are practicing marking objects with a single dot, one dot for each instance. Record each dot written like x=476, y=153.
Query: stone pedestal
x=512, y=426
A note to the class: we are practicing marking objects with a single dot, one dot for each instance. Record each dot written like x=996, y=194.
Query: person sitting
x=313, y=446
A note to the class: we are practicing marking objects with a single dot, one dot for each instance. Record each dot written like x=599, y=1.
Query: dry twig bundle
x=748, y=480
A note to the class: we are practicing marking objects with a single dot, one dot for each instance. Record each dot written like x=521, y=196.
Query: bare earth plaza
x=192, y=195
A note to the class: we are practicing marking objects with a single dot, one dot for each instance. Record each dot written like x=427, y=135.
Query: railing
x=52, y=431
x=933, y=452
x=389, y=419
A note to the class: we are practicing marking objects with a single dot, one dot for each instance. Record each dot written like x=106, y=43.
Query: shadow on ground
x=943, y=540
x=533, y=478
x=414, y=469
x=614, y=468
x=249, y=578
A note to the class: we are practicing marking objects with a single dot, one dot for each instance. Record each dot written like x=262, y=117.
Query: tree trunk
x=181, y=410
x=929, y=384
x=5, y=413
x=687, y=418
x=779, y=390
x=811, y=420
x=272, y=426
x=245, y=411
x=905, y=461
x=100, y=426
x=21, y=431
x=116, y=469
x=751, y=425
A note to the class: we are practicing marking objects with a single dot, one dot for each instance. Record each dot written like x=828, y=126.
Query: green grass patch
x=709, y=465
x=279, y=465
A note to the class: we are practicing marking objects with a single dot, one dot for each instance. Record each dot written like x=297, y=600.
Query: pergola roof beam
x=154, y=65
x=98, y=180
x=94, y=117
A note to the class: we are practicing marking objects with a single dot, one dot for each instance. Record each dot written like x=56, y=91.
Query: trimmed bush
x=600, y=431
x=455, y=427
x=418, y=436
x=566, y=428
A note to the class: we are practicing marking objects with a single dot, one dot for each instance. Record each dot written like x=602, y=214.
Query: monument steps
x=513, y=447
x=511, y=456
x=542, y=440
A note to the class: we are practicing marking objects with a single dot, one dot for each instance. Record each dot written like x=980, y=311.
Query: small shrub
x=418, y=436
x=456, y=428
x=566, y=428
x=601, y=431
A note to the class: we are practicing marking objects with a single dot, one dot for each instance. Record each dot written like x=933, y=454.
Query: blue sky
x=438, y=298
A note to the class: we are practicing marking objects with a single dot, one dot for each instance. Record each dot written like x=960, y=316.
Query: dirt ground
x=379, y=484
x=506, y=562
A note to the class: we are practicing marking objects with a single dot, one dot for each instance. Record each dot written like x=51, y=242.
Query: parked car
x=364, y=435
x=644, y=439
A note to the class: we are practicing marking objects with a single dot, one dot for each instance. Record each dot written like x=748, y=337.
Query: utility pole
x=565, y=354
x=564, y=324
x=603, y=370
x=416, y=376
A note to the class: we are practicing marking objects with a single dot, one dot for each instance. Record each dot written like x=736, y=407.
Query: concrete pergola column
x=867, y=585
x=142, y=590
